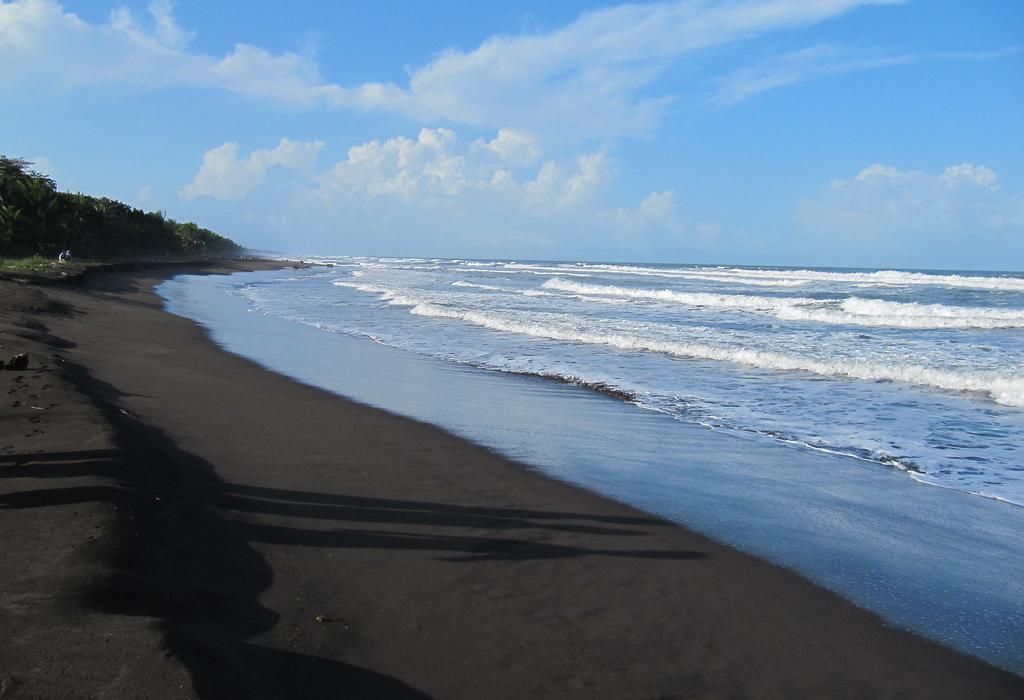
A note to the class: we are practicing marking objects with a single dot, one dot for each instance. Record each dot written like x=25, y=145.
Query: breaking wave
x=1007, y=390
x=711, y=275
x=849, y=311
x=877, y=312
x=736, y=301
x=886, y=277
x=490, y=287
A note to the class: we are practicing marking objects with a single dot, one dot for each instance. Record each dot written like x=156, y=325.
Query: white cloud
x=586, y=79
x=43, y=166
x=42, y=43
x=144, y=197
x=966, y=173
x=460, y=195
x=823, y=60
x=557, y=186
x=885, y=201
x=402, y=167
x=437, y=164
x=512, y=145
x=223, y=176
x=658, y=212
x=167, y=29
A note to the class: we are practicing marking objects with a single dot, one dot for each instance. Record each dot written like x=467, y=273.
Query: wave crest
x=1007, y=390
x=854, y=311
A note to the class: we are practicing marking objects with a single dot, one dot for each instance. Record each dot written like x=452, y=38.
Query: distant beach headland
x=41, y=226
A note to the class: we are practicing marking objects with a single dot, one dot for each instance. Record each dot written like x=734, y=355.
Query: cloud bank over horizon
x=882, y=200
x=439, y=182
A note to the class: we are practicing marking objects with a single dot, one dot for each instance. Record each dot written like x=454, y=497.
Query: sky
x=847, y=133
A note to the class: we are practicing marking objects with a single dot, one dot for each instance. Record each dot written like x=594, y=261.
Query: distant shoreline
x=77, y=271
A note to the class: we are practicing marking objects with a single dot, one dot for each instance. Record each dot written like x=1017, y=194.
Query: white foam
x=368, y=288
x=743, y=280
x=393, y=297
x=850, y=311
x=463, y=283
x=689, y=273
x=877, y=312
x=738, y=301
x=588, y=270
x=883, y=307
x=887, y=277
x=741, y=275
x=1004, y=389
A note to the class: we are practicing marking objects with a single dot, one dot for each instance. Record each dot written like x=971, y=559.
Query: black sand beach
x=178, y=522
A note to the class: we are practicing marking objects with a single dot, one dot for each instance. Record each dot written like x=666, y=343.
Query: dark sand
x=176, y=522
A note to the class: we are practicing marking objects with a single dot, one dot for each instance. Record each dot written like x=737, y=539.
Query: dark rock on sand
x=17, y=362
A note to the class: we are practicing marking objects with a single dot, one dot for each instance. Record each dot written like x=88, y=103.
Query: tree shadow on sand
x=187, y=558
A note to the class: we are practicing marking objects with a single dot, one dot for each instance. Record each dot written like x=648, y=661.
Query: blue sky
x=802, y=132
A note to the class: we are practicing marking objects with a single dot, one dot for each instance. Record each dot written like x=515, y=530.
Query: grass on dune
x=37, y=265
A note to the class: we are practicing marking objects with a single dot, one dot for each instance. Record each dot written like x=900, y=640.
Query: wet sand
x=179, y=522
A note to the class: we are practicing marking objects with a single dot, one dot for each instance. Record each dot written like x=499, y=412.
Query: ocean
x=864, y=427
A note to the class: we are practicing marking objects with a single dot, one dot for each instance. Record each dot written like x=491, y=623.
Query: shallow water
x=942, y=562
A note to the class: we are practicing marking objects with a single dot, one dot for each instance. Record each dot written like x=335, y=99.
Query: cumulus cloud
x=460, y=194
x=224, y=176
x=428, y=165
x=969, y=174
x=587, y=79
x=512, y=145
x=659, y=211
x=883, y=200
x=438, y=164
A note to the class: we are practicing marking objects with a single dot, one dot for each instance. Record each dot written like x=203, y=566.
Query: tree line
x=38, y=219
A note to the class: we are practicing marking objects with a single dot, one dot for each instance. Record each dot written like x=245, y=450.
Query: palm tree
x=42, y=208
x=10, y=215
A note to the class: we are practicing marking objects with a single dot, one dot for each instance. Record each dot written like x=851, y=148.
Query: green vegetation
x=37, y=266
x=34, y=263
x=38, y=220
x=30, y=264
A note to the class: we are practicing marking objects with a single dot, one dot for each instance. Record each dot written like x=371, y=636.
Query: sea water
x=919, y=371
x=804, y=415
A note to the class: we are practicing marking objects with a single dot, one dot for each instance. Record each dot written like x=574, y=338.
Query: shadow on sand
x=187, y=558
